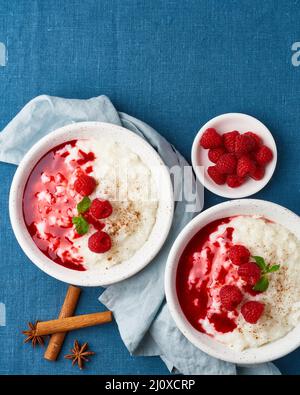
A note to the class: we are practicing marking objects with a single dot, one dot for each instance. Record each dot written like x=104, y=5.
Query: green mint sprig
x=81, y=224
x=264, y=267
x=84, y=205
x=263, y=283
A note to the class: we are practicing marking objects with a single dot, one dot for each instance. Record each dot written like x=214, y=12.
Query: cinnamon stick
x=72, y=323
x=67, y=310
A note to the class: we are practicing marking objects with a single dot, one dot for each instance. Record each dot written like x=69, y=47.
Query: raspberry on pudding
x=238, y=281
x=90, y=202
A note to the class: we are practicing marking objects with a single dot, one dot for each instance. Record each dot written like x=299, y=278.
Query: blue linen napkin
x=138, y=303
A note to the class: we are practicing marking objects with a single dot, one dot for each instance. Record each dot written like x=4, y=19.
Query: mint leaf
x=84, y=205
x=262, y=284
x=273, y=268
x=81, y=225
x=260, y=262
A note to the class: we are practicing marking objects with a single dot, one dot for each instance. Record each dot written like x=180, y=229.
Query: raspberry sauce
x=49, y=203
x=202, y=270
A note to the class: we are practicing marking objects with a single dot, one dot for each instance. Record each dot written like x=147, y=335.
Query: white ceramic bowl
x=226, y=123
x=265, y=353
x=99, y=276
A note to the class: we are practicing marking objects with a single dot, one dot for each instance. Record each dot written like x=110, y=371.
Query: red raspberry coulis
x=85, y=157
x=47, y=195
x=194, y=278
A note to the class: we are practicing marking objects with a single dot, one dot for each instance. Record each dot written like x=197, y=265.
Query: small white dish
x=267, y=352
x=100, y=276
x=226, y=123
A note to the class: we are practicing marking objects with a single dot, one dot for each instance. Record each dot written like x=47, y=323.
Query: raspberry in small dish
x=239, y=147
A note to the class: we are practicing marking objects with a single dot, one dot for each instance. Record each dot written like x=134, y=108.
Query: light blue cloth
x=138, y=303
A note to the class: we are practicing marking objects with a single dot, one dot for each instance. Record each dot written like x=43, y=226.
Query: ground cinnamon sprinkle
x=127, y=219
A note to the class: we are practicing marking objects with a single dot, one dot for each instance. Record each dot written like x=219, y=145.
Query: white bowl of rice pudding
x=257, y=319
x=91, y=203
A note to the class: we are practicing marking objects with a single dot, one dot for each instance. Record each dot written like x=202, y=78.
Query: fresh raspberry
x=101, y=208
x=230, y=297
x=258, y=173
x=245, y=166
x=249, y=272
x=226, y=164
x=252, y=311
x=84, y=184
x=99, y=242
x=215, y=175
x=229, y=140
x=244, y=144
x=264, y=155
x=214, y=154
x=258, y=140
x=239, y=254
x=211, y=139
x=234, y=181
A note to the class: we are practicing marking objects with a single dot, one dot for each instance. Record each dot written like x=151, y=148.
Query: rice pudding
x=238, y=281
x=86, y=187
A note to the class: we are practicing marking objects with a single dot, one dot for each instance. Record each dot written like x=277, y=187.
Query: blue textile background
x=173, y=64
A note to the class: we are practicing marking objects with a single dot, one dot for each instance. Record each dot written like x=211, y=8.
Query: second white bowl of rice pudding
x=91, y=203
x=233, y=281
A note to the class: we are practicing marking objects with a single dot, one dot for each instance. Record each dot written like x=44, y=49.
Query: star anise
x=79, y=354
x=31, y=335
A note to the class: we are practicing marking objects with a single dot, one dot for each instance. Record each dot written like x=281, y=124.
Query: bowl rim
x=233, y=193
x=265, y=353
x=81, y=278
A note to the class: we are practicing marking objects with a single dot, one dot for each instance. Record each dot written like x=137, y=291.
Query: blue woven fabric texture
x=173, y=64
